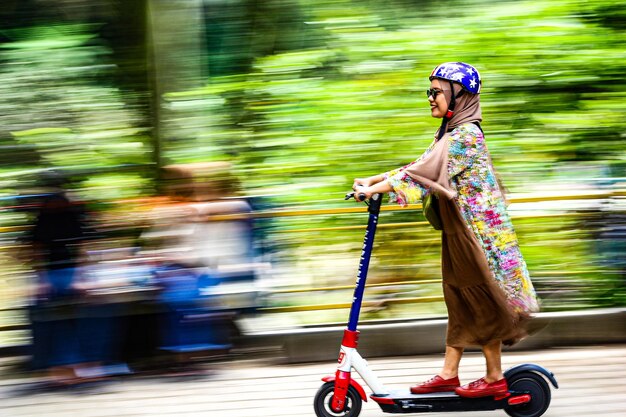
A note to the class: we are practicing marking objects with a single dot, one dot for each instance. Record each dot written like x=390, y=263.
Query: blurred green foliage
x=62, y=109
x=344, y=98
x=347, y=101
x=303, y=96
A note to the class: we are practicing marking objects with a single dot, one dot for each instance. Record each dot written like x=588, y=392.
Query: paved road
x=592, y=380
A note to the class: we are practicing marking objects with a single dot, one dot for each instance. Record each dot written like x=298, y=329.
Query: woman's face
x=438, y=104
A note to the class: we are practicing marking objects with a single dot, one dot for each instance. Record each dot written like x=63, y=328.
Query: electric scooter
x=341, y=396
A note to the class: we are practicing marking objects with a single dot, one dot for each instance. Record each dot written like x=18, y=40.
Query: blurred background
x=172, y=172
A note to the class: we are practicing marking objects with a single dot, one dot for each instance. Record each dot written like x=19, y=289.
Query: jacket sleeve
x=405, y=189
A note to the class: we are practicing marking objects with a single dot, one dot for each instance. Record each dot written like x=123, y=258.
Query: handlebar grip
x=350, y=195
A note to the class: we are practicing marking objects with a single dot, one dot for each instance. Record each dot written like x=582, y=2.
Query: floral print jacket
x=483, y=208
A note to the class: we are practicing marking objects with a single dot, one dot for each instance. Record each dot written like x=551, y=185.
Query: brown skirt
x=478, y=312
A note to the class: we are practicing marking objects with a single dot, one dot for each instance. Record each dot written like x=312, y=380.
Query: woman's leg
x=493, y=357
x=447, y=380
x=493, y=383
x=451, y=362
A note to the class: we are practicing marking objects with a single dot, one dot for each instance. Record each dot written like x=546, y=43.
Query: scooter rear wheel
x=324, y=398
x=539, y=391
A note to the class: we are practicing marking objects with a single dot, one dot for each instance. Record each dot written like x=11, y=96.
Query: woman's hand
x=359, y=191
x=360, y=186
x=369, y=186
x=361, y=182
x=373, y=185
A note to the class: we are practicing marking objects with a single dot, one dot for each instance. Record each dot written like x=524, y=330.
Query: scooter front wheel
x=324, y=398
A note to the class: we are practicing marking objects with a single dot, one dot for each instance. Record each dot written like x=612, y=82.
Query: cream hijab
x=467, y=107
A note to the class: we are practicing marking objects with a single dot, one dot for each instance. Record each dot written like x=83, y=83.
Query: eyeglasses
x=433, y=92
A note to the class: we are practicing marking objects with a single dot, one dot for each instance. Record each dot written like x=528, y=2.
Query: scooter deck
x=402, y=401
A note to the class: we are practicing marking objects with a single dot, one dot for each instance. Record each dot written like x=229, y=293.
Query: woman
x=486, y=286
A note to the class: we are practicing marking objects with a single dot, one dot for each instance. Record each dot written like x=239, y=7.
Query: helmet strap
x=444, y=122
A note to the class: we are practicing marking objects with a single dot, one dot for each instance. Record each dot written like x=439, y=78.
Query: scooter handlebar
x=350, y=195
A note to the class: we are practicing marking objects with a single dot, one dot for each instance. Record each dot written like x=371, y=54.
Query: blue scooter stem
x=364, y=263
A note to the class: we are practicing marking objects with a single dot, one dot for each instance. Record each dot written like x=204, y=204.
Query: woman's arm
x=368, y=182
x=381, y=187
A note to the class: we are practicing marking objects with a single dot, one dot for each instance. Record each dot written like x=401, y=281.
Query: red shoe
x=482, y=388
x=436, y=384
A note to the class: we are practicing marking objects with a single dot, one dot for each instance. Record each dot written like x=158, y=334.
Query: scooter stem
x=366, y=253
x=351, y=335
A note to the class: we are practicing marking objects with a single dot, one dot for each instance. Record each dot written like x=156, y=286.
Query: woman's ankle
x=448, y=374
x=493, y=377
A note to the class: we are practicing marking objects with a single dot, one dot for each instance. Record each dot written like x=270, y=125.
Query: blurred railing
x=423, y=279
x=348, y=210
x=544, y=274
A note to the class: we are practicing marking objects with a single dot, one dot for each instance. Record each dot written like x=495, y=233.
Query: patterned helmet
x=459, y=72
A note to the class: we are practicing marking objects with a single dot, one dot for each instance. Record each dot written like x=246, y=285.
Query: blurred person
x=191, y=327
x=189, y=226
x=204, y=190
x=59, y=231
x=486, y=285
x=199, y=255
x=115, y=286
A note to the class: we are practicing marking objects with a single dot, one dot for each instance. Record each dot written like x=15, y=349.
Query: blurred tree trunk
x=176, y=60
